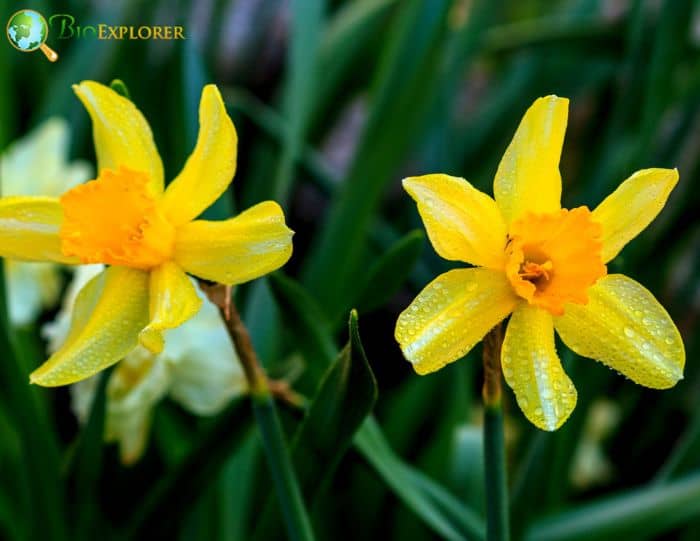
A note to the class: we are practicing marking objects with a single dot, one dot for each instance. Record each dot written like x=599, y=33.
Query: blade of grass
x=167, y=502
x=273, y=439
x=344, y=399
x=438, y=508
x=428, y=500
x=303, y=317
x=550, y=31
x=87, y=465
x=39, y=445
x=344, y=40
x=400, y=97
x=388, y=274
x=281, y=469
x=302, y=75
x=652, y=510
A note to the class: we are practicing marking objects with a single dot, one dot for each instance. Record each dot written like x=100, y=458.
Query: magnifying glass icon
x=27, y=31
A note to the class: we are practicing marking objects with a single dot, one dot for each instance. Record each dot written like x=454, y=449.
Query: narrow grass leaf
x=304, y=318
x=167, y=503
x=344, y=399
x=652, y=510
x=388, y=274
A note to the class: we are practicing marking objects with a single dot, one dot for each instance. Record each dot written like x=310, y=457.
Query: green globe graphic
x=27, y=30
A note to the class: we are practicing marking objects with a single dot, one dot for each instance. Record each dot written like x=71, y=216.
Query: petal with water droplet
x=532, y=368
x=451, y=315
x=624, y=327
x=29, y=229
x=122, y=135
x=109, y=313
x=173, y=300
x=463, y=224
x=632, y=206
x=211, y=166
x=528, y=176
x=236, y=250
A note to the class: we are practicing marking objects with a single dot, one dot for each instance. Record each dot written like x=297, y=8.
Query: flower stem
x=497, y=520
x=261, y=392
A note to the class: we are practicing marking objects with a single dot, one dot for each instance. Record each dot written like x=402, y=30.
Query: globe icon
x=27, y=31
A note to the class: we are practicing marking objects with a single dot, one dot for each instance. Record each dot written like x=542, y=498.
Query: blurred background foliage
x=334, y=103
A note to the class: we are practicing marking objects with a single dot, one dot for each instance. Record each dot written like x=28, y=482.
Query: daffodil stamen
x=115, y=220
x=554, y=258
x=534, y=271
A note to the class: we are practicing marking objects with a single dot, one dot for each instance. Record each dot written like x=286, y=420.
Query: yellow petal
x=632, y=206
x=463, y=223
x=532, y=368
x=109, y=313
x=625, y=328
x=234, y=251
x=211, y=166
x=173, y=300
x=29, y=229
x=122, y=135
x=452, y=314
x=528, y=176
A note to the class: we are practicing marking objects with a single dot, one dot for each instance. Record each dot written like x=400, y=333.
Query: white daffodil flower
x=198, y=368
x=37, y=164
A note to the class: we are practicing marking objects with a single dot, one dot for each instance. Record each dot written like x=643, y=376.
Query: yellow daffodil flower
x=546, y=267
x=147, y=234
x=37, y=165
x=198, y=369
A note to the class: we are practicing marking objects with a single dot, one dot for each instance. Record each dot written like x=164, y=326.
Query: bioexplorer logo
x=27, y=31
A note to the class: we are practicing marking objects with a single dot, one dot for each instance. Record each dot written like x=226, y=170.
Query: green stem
x=281, y=469
x=276, y=449
x=497, y=520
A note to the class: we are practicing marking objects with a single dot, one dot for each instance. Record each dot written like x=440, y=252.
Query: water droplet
x=629, y=332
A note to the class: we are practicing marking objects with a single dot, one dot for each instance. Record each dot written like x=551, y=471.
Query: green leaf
x=307, y=20
x=390, y=272
x=344, y=399
x=86, y=465
x=304, y=318
x=402, y=92
x=651, y=510
x=550, y=30
x=287, y=489
x=120, y=88
x=354, y=27
x=432, y=503
x=237, y=486
x=39, y=445
x=162, y=509
x=468, y=465
x=439, y=509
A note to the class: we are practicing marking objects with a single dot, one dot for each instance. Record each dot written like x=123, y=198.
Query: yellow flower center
x=115, y=220
x=552, y=259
